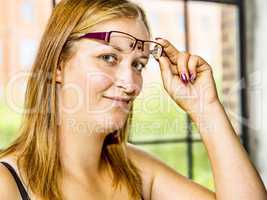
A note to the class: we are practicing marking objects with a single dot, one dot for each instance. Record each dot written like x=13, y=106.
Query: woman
x=73, y=139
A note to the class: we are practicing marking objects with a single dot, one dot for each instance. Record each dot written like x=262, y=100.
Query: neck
x=80, y=152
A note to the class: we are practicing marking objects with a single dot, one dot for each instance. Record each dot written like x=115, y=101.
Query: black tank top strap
x=21, y=188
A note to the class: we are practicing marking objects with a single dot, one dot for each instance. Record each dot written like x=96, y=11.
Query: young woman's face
x=96, y=73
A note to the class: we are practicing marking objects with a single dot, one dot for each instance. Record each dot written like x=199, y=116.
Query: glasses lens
x=122, y=41
x=125, y=43
x=154, y=48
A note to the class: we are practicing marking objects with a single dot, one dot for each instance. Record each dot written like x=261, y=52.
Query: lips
x=120, y=99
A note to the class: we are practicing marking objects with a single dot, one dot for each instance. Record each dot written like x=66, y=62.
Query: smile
x=119, y=101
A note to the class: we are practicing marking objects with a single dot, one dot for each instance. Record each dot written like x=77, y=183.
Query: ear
x=59, y=76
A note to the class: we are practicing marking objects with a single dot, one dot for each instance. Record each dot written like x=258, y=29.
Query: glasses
x=126, y=43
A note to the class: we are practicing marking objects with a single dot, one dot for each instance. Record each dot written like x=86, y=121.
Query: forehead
x=133, y=27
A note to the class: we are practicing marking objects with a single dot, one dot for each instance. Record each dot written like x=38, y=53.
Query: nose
x=126, y=80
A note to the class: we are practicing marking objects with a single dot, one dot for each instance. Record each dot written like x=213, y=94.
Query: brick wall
x=230, y=72
x=21, y=25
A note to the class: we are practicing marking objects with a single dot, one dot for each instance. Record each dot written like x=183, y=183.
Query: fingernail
x=184, y=79
x=192, y=77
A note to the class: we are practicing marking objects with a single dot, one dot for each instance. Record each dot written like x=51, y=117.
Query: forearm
x=234, y=175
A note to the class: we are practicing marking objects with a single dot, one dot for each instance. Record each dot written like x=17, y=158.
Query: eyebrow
x=120, y=50
x=146, y=57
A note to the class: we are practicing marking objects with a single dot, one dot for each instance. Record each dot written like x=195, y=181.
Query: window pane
x=213, y=34
x=202, y=169
x=174, y=155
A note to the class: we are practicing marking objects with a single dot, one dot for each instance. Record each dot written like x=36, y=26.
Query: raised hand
x=187, y=78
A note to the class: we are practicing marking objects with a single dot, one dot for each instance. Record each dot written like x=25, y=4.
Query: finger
x=182, y=62
x=202, y=65
x=192, y=65
x=169, y=49
x=165, y=69
x=173, y=68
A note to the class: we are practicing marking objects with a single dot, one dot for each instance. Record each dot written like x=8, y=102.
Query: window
x=1, y=53
x=28, y=48
x=27, y=11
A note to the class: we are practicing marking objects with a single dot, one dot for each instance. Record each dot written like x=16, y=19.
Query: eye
x=110, y=58
x=139, y=66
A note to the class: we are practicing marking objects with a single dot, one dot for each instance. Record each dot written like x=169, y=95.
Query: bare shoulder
x=8, y=187
x=165, y=182
x=140, y=156
x=142, y=160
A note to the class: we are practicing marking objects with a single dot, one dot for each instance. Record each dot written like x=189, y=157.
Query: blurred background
x=229, y=34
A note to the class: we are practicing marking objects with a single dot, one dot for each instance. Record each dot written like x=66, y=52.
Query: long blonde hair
x=38, y=140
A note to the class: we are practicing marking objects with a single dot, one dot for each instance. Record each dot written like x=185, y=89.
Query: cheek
x=98, y=81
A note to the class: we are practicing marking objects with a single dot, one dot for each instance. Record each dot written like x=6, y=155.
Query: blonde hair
x=38, y=140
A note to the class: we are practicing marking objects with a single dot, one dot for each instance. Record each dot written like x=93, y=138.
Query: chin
x=110, y=122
